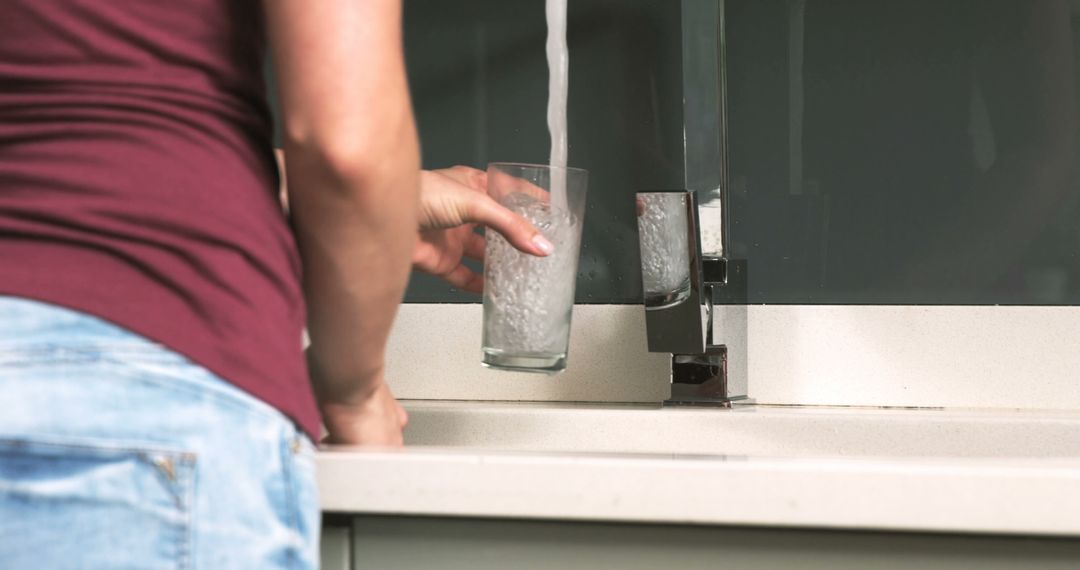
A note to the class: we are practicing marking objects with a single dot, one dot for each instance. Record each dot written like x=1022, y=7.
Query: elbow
x=354, y=159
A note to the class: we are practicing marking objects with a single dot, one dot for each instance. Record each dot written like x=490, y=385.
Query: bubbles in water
x=527, y=299
x=665, y=252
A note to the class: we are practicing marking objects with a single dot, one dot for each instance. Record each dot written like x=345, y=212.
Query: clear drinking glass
x=528, y=300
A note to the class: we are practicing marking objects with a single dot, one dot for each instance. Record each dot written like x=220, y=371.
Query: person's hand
x=452, y=202
x=377, y=420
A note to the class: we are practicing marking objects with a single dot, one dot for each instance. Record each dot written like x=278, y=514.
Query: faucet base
x=702, y=379
x=725, y=403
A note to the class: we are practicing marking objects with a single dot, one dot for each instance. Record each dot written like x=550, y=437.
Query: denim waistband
x=34, y=333
x=28, y=323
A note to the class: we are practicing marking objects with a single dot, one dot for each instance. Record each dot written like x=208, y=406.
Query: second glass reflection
x=663, y=233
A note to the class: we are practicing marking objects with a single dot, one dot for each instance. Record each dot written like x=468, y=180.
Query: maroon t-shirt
x=137, y=182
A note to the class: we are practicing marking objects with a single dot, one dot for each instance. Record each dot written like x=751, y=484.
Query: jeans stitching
x=291, y=492
x=36, y=441
x=189, y=536
x=153, y=352
x=305, y=483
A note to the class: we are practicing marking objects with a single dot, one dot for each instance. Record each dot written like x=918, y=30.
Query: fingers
x=445, y=195
x=378, y=419
x=505, y=184
x=467, y=176
x=474, y=247
x=429, y=259
x=465, y=279
x=403, y=416
x=516, y=229
x=448, y=205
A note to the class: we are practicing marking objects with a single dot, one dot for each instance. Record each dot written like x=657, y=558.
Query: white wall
x=1009, y=357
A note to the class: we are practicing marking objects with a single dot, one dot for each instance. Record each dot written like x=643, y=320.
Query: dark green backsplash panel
x=904, y=152
x=479, y=81
x=880, y=151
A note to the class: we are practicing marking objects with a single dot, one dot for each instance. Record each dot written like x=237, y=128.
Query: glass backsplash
x=904, y=152
x=479, y=81
x=880, y=151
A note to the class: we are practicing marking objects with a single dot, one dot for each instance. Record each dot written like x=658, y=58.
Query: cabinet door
x=417, y=543
x=335, y=548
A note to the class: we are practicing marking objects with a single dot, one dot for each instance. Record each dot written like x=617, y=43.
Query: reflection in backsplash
x=880, y=151
x=909, y=151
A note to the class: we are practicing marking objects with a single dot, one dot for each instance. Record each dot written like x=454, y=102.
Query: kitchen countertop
x=966, y=471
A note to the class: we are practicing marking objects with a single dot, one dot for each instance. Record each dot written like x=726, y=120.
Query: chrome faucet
x=694, y=303
x=695, y=293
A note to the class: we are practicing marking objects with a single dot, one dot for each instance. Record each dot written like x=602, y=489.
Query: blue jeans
x=116, y=452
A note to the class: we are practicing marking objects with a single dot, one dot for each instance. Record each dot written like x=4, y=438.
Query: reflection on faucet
x=676, y=316
x=679, y=293
x=665, y=261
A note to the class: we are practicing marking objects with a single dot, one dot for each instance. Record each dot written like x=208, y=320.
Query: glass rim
x=540, y=166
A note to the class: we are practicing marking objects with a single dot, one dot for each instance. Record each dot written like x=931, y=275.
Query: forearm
x=356, y=234
x=352, y=178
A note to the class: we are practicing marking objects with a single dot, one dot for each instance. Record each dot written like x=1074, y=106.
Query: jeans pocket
x=68, y=503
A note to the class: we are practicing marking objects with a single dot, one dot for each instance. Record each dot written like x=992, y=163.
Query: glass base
x=666, y=299
x=542, y=363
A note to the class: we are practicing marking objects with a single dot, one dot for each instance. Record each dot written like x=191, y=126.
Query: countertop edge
x=1029, y=497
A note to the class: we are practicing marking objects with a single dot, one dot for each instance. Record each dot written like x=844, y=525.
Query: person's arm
x=453, y=202
x=353, y=178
